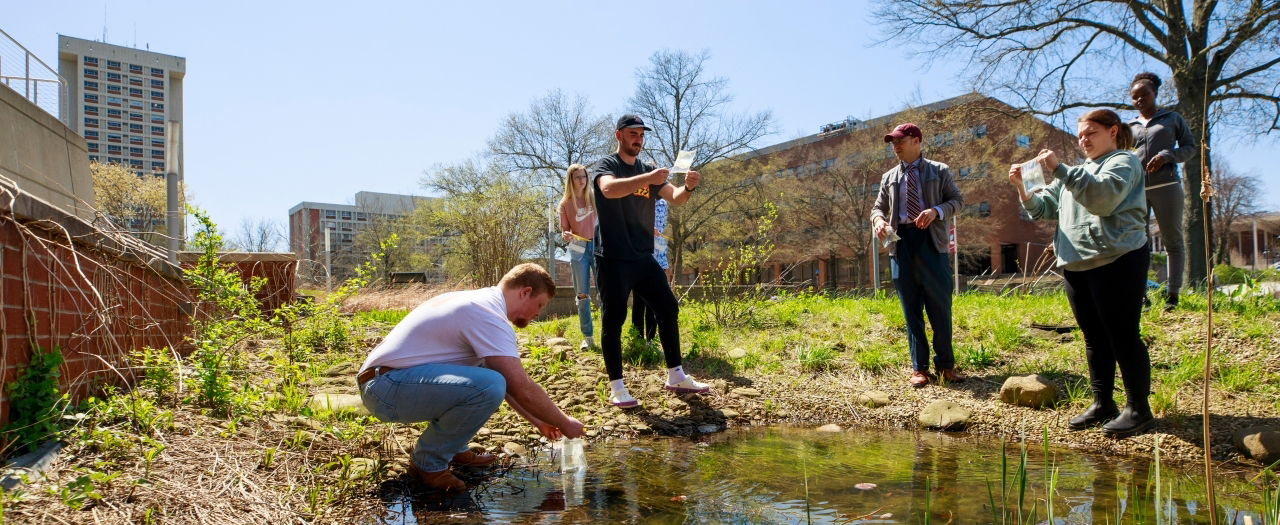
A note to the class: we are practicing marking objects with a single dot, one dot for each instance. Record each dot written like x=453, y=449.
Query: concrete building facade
x=120, y=99
x=308, y=222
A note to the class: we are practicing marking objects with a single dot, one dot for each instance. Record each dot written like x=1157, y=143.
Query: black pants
x=616, y=279
x=922, y=279
x=643, y=318
x=1107, y=303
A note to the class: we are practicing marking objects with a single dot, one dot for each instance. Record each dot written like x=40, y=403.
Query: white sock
x=617, y=386
x=675, y=375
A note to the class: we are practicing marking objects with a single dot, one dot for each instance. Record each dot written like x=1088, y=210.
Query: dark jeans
x=1107, y=303
x=616, y=279
x=922, y=278
x=643, y=318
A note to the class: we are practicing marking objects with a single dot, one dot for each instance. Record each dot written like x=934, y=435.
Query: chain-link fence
x=30, y=77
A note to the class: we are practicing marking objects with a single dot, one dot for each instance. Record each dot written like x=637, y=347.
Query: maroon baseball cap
x=904, y=130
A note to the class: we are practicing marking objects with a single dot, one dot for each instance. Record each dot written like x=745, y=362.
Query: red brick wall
x=94, y=306
x=279, y=269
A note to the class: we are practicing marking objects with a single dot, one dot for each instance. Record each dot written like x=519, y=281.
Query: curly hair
x=1151, y=79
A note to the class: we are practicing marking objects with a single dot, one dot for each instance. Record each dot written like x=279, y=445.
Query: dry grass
x=399, y=297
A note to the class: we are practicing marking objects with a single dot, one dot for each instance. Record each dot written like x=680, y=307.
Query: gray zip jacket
x=1101, y=207
x=1168, y=136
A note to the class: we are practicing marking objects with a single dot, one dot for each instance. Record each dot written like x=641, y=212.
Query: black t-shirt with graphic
x=624, y=226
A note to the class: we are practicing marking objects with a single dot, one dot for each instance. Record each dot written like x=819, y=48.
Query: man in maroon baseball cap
x=915, y=198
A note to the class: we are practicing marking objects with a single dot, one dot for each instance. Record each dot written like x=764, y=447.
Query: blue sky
x=290, y=102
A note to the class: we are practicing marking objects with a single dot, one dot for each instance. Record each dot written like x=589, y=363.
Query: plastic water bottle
x=572, y=458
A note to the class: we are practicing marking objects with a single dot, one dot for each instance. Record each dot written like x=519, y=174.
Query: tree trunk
x=1196, y=217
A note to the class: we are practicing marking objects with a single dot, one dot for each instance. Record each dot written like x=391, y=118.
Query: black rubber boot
x=1135, y=419
x=1102, y=409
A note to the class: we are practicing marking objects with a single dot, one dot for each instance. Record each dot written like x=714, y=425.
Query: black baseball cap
x=632, y=121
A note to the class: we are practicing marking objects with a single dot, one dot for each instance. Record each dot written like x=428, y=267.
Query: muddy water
x=787, y=475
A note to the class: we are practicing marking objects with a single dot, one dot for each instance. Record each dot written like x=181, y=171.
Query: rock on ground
x=945, y=415
x=737, y=353
x=1034, y=391
x=336, y=402
x=1259, y=443
x=515, y=449
x=558, y=341
x=873, y=399
x=829, y=428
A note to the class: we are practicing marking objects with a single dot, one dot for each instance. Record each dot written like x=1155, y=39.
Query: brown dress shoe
x=919, y=378
x=951, y=376
x=443, y=480
x=469, y=458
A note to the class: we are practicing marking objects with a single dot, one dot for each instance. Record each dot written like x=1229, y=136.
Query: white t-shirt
x=457, y=328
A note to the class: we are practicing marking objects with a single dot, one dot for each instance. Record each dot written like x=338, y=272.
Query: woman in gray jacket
x=1101, y=243
x=1162, y=139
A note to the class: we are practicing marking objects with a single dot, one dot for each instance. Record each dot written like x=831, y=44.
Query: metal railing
x=30, y=77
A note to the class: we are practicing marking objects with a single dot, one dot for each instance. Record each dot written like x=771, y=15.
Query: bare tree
x=491, y=218
x=1237, y=198
x=1059, y=57
x=553, y=134
x=257, y=235
x=690, y=110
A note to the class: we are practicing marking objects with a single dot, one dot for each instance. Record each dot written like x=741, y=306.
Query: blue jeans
x=455, y=400
x=583, y=265
x=922, y=278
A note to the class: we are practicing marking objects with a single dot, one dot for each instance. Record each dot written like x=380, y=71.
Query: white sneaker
x=623, y=399
x=587, y=343
x=689, y=386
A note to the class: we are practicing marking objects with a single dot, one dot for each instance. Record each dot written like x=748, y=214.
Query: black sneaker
x=1170, y=303
x=1097, y=413
x=1130, y=423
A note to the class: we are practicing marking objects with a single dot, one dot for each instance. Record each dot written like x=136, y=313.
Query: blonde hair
x=571, y=196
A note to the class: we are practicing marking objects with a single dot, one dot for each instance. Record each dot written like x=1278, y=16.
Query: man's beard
x=520, y=322
x=632, y=150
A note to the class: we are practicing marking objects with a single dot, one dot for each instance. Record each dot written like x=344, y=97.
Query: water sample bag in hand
x=572, y=459
x=890, y=236
x=683, y=161
x=1032, y=176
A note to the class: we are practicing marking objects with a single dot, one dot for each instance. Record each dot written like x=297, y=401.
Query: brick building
x=977, y=136
x=308, y=222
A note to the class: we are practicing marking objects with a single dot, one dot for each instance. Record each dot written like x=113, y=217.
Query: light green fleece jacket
x=1101, y=208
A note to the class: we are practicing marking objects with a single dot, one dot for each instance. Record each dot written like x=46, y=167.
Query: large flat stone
x=337, y=402
x=945, y=415
x=873, y=399
x=1259, y=443
x=1033, y=391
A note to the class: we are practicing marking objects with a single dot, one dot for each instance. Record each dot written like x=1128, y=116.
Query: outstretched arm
x=678, y=196
x=530, y=400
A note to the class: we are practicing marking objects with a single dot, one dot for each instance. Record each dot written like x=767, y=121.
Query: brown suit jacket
x=940, y=190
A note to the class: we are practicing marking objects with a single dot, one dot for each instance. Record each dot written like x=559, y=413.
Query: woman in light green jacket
x=1101, y=244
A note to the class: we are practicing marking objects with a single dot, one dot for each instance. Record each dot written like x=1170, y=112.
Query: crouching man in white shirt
x=451, y=362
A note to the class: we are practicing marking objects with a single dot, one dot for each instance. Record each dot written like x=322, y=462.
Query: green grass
x=390, y=317
x=817, y=358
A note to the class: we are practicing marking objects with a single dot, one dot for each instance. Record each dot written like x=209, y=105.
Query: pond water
x=760, y=476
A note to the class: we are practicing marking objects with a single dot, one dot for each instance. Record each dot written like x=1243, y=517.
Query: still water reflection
x=763, y=476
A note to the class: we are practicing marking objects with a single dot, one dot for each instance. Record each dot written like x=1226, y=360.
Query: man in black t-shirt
x=626, y=191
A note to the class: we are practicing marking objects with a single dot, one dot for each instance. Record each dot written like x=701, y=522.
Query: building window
x=979, y=131
x=93, y=147
x=90, y=86
x=113, y=77
x=93, y=158
x=157, y=130
x=93, y=99
x=135, y=163
x=157, y=119
x=1024, y=141
x=346, y=215
x=112, y=64
x=158, y=84
x=134, y=104
x=135, y=128
x=113, y=89
x=157, y=143
x=330, y=214
x=135, y=93
x=827, y=164
x=157, y=154
x=984, y=209
x=157, y=165
x=113, y=113
x=113, y=125
x=91, y=135
x=135, y=81
x=114, y=150
x=136, y=69
x=114, y=137
x=964, y=173
x=156, y=106
x=90, y=73
x=91, y=110
x=157, y=95
x=90, y=61
x=113, y=101
x=136, y=117
x=134, y=139
x=113, y=160
x=360, y=216
x=136, y=152
x=157, y=72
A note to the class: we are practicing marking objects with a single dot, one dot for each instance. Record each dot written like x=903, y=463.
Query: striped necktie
x=913, y=193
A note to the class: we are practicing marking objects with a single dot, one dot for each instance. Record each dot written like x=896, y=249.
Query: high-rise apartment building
x=120, y=99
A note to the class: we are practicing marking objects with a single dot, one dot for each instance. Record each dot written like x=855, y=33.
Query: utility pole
x=173, y=216
x=551, y=242
x=328, y=261
x=875, y=263
x=1254, y=242
x=955, y=254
